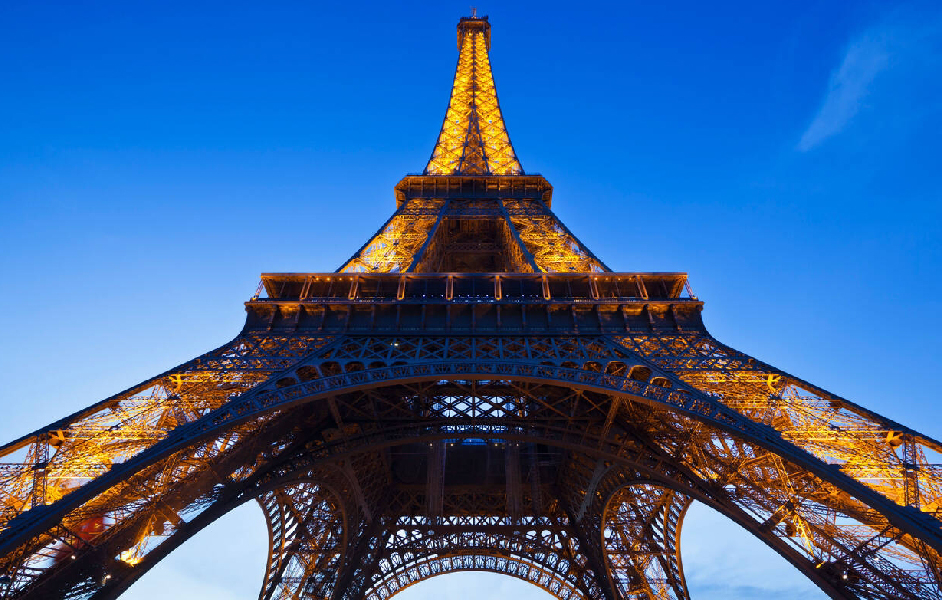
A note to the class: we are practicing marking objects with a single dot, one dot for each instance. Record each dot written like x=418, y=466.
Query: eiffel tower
x=472, y=390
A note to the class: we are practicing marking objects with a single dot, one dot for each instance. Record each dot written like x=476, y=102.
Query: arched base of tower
x=572, y=476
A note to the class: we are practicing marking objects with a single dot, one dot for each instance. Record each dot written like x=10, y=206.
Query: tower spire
x=473, y=139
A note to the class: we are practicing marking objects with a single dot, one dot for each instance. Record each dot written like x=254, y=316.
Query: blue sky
x=155, y=159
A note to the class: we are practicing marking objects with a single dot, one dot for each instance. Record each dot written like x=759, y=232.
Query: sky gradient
x=154, y=160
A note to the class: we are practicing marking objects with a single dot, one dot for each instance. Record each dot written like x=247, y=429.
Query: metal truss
x=554, y=248
x=393, y=248
x=628, y=453
x=884, y=455
x=306, y=529
x=473, y=139
x=473, y=390
x=641, y=537
x=440, y=226
x=538, y=550
x=42, y=467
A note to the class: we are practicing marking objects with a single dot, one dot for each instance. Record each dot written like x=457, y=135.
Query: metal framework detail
x=473, y=140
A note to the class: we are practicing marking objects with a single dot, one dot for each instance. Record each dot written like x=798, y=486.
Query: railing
x=509, y=288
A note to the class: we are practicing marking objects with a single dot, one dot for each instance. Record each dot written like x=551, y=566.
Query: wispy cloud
x=865, y=58
x=889, y=72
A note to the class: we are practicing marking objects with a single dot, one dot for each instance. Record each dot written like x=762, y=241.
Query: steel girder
x=641, y=538
x=531, y=238
x=306, y=530
x=86, y=444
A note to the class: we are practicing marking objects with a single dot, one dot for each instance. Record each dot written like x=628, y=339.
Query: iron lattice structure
x=473, y=389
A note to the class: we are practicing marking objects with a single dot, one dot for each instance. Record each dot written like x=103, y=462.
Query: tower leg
x=361, y=562
x=642, y=545
x=589, y=535
x=306, y=529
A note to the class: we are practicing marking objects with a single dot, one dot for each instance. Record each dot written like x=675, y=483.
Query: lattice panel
x=896, y=461
x=394, y=247
x=63, y=456
x=803, y=513
x=642, y=545
x=554, y=248
x=108, y=536
x=538, y=550
x=306, y=541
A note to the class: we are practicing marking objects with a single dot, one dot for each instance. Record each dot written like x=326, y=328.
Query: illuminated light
x=129, y=557
x=478, y=143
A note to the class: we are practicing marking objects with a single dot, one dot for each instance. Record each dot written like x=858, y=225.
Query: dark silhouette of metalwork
x=472, y=390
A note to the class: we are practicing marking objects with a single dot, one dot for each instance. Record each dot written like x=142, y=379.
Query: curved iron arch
x=247, y=492
x=655, y=570
x=361, y=380
x=558, y=578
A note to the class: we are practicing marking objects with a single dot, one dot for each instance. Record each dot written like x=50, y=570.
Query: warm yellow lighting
x=473, y=139
x=393, y=249
x=130, y=557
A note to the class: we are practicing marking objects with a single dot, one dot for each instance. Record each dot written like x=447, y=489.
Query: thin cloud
x=866, y=58
x=717, y=591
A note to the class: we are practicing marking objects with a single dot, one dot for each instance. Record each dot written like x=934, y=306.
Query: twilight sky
x=155, y=159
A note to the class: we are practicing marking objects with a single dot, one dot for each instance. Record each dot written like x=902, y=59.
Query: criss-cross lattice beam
x=44, y=466
x=306, y=531
x=554, y=248
x=900, y=463
x=763, y=485
x=397, y=244
x=535, y=549
x=642, y=541
x=589, y=541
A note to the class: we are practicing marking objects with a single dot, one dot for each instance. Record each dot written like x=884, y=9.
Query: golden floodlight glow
x=473, y=140
x=474, y=144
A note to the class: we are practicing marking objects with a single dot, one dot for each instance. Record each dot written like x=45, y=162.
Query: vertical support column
x=435, y=488
x=911, y=476
x=353, y=579
x=305, y=533
x=39, y=470
x=512, y=479
x=643, y=549
x=590, y=542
